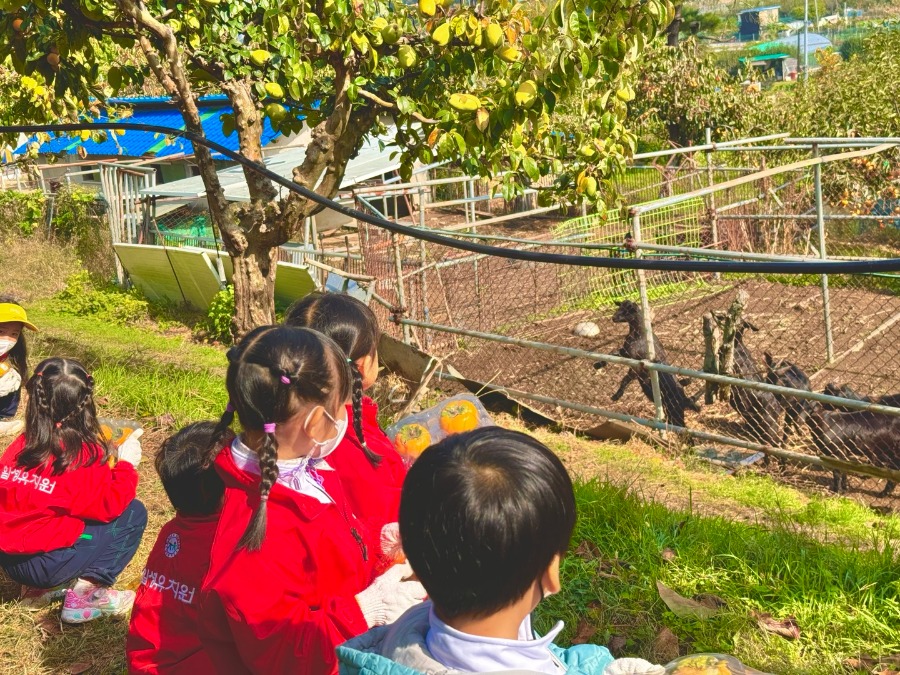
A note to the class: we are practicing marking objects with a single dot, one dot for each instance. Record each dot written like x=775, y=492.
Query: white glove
x=130, y=451
x=389, y=596
x=10, y=382
x=391, y=546
x=633, y=667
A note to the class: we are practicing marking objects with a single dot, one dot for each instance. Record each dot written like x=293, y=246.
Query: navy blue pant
x=99, y=555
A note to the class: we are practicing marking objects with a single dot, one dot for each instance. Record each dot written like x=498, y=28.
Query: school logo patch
x=173, y=545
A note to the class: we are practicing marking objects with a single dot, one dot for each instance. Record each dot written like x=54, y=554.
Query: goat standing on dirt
x=787, y=374
x=861, y=435
x=674, y=400
x=760, y=409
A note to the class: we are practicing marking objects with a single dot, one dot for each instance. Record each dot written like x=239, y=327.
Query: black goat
x=844, y=391
x=861, y=435
x=674, y=400
x=787, y=374
x=760, y=409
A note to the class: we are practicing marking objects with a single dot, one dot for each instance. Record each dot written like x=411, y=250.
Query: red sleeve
x=105, y=492
x=276, y=632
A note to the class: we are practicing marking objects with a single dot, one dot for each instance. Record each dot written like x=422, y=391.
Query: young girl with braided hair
x=69, y=520
x=373, y=470
x=291, y=571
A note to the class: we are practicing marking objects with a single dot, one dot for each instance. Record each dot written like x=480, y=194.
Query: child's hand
x=130, y=451
x=391, y=545
x=633, y=667
x=10, y=382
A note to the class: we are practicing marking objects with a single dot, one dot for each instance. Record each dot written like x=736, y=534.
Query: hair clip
x=269, y=427
x=349, y=360
x=285, y=379
x=229, y=407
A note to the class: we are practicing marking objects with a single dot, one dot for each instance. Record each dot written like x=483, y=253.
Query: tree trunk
x=674, y=28
x=254, y=287
x=730, y=328
x=712, y=339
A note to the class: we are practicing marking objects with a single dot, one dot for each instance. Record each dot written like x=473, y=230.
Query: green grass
x=845, y=598
x=142, y=373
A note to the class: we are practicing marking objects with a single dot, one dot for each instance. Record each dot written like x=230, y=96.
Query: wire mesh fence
x=751, y=375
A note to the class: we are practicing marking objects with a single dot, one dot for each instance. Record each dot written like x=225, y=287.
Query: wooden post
x=729, y=330
x=712, y=337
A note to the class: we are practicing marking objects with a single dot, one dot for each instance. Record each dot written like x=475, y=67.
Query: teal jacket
x=399, y=649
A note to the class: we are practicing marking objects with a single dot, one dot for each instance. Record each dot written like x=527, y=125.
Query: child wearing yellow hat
x=13, y=362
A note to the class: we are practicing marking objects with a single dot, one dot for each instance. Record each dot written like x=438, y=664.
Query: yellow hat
x=9, y=311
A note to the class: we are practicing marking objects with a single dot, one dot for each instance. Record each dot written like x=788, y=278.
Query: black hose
x=744, y=267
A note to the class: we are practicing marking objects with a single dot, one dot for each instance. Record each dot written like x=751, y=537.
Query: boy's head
x=185, y=467
x=484, y=517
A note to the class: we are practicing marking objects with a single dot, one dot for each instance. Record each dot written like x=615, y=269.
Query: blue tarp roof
x=160, y=112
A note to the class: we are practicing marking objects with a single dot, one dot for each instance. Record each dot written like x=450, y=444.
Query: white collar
x=461, y=651
x=298, y=474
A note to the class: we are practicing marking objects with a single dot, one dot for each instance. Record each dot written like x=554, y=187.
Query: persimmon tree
x=474, y=83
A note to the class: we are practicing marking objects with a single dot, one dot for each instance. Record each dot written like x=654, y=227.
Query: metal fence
x=525, y=326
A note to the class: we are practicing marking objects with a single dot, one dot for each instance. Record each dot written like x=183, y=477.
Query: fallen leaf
x=78, y=668
x=101, y=401
x=49, y=626
x=617, y=645
x=165, y=420
x=864, y=662
x=584, y=633
x=665, y=646
x=886, y=672
x=587, y=550
x=682, y=606
x=711, y=601
x=668, y=555
x=786, y=628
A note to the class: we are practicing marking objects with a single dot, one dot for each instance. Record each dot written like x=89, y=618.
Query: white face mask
x=322, y=449
x=6, y=344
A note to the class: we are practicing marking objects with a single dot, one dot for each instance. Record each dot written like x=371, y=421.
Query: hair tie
x=229, y=407
x=264, y=498
x=349, y=360
x=59, y=425
x=285, y=379
x=40, y=373
x=269, y=427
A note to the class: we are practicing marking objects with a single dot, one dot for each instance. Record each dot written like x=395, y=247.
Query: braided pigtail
x=356, y=400
x=268, y=464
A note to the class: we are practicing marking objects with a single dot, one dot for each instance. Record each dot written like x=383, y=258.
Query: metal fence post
x=713, y=218
x=423, y=259
x=820, y=222
x=648, y=324
x=401, y=293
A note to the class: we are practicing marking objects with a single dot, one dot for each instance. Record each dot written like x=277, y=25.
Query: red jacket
x=163, y=635
x=40, y=512
x=284, y=608
x=373, y=492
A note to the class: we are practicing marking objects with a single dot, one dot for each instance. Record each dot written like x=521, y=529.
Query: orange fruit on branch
x=459, y=416
x=412, y=439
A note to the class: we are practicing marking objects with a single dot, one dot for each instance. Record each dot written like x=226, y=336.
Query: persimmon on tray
x=413, y=434
x=116, y=432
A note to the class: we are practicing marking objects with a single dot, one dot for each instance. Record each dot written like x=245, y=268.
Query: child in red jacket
x=372, y=471
x=67, y=512
x=163, y=634
x=292, y=566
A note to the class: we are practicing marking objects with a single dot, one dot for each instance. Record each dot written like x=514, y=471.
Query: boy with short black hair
x=485, y=519
x=163, y=635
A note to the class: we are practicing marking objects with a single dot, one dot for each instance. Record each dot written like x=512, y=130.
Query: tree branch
x=249, y=125
x=393, y=106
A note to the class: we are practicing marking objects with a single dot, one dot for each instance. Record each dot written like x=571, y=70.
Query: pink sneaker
x=96, y=603
x=38, y=598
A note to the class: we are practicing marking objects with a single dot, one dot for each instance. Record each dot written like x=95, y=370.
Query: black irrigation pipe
x=837, y=267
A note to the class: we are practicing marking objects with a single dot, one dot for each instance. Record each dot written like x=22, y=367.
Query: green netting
x=589, y=287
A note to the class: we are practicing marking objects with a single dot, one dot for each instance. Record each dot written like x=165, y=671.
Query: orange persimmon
x=412, y=439
x=459, y=416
